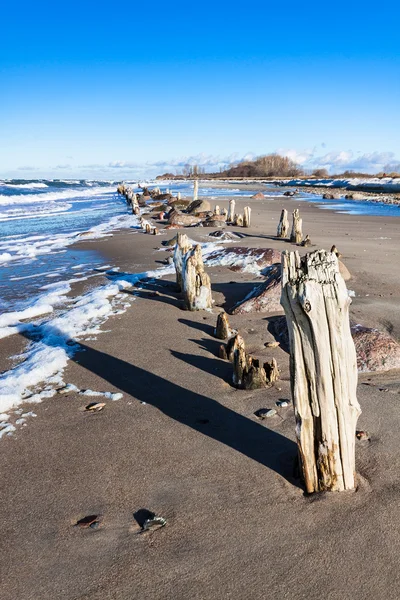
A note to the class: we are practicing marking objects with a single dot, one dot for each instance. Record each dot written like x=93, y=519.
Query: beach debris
x=296, y=234
x=362, y=435
x=265, y=413
x=246, y=216
x=231, y=211
x=271, y=344
x=283, y=225
x=148, y=520
x=289, y=193
x=258, y=196
x=196, y=284
x=282, y=403
x=95, y=406
x=182, y=246
x=306, y=242
x=90, y=521
x=264, y=297
x=323, y=369
x=223, y=330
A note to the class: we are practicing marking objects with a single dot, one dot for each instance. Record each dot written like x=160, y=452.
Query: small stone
x=271, y=344
x=282, y=403
x=265, y=413
x=154, y=522
x=362, y=435
x=383, y=389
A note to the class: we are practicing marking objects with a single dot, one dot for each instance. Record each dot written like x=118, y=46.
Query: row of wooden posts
x=323, y=365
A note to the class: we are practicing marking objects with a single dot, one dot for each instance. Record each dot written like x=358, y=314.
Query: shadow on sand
x=195, y=410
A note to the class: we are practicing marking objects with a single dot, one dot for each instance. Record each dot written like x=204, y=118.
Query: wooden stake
x=297, y=235
x=231, y=211
x=195, y=189
x=283, y=225
x=323, y=369
x=222, y=330
x=233, y=344
x=246, y=216
x=196, y=282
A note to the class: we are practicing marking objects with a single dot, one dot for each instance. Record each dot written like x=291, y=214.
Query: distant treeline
x=268, y=166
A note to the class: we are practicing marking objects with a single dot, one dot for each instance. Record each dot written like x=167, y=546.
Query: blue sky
x=117, y=90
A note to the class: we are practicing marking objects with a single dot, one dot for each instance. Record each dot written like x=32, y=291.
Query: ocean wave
x=26, y=186
x=61, y=195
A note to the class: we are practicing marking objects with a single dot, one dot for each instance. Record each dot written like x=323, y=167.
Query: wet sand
x=184, y=443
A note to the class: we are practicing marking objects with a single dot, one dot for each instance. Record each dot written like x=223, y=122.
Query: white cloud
x=343, y=160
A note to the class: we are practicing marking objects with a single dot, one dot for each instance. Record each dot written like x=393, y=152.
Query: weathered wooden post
x=224, y=212
x=283, y=225
x=195, y=189
x=217, y=210
x=182, y=246
x=196, y=282
x=296, y=235
x=222, y=330
x=231, y=211
x=238, y=220
x=246, y=216
x=178, y=196
x=323, y=369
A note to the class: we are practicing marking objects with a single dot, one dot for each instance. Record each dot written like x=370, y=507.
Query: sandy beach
x=186, y=445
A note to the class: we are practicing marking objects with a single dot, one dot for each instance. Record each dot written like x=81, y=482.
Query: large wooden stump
x=181, y=248
x=323, y=369
x=231, y=211
x=297, y=234
x=196, y=282
x=283, y=225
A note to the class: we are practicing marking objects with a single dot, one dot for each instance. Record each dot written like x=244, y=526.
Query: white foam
x=46, y=359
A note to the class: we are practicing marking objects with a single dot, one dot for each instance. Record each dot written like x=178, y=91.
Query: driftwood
x=246, y=216
x=296, y=235
x=283, y=225
x=195, y=281
x=222, y=330
x=231, y=211
x=323, y=369
x=181, y=248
